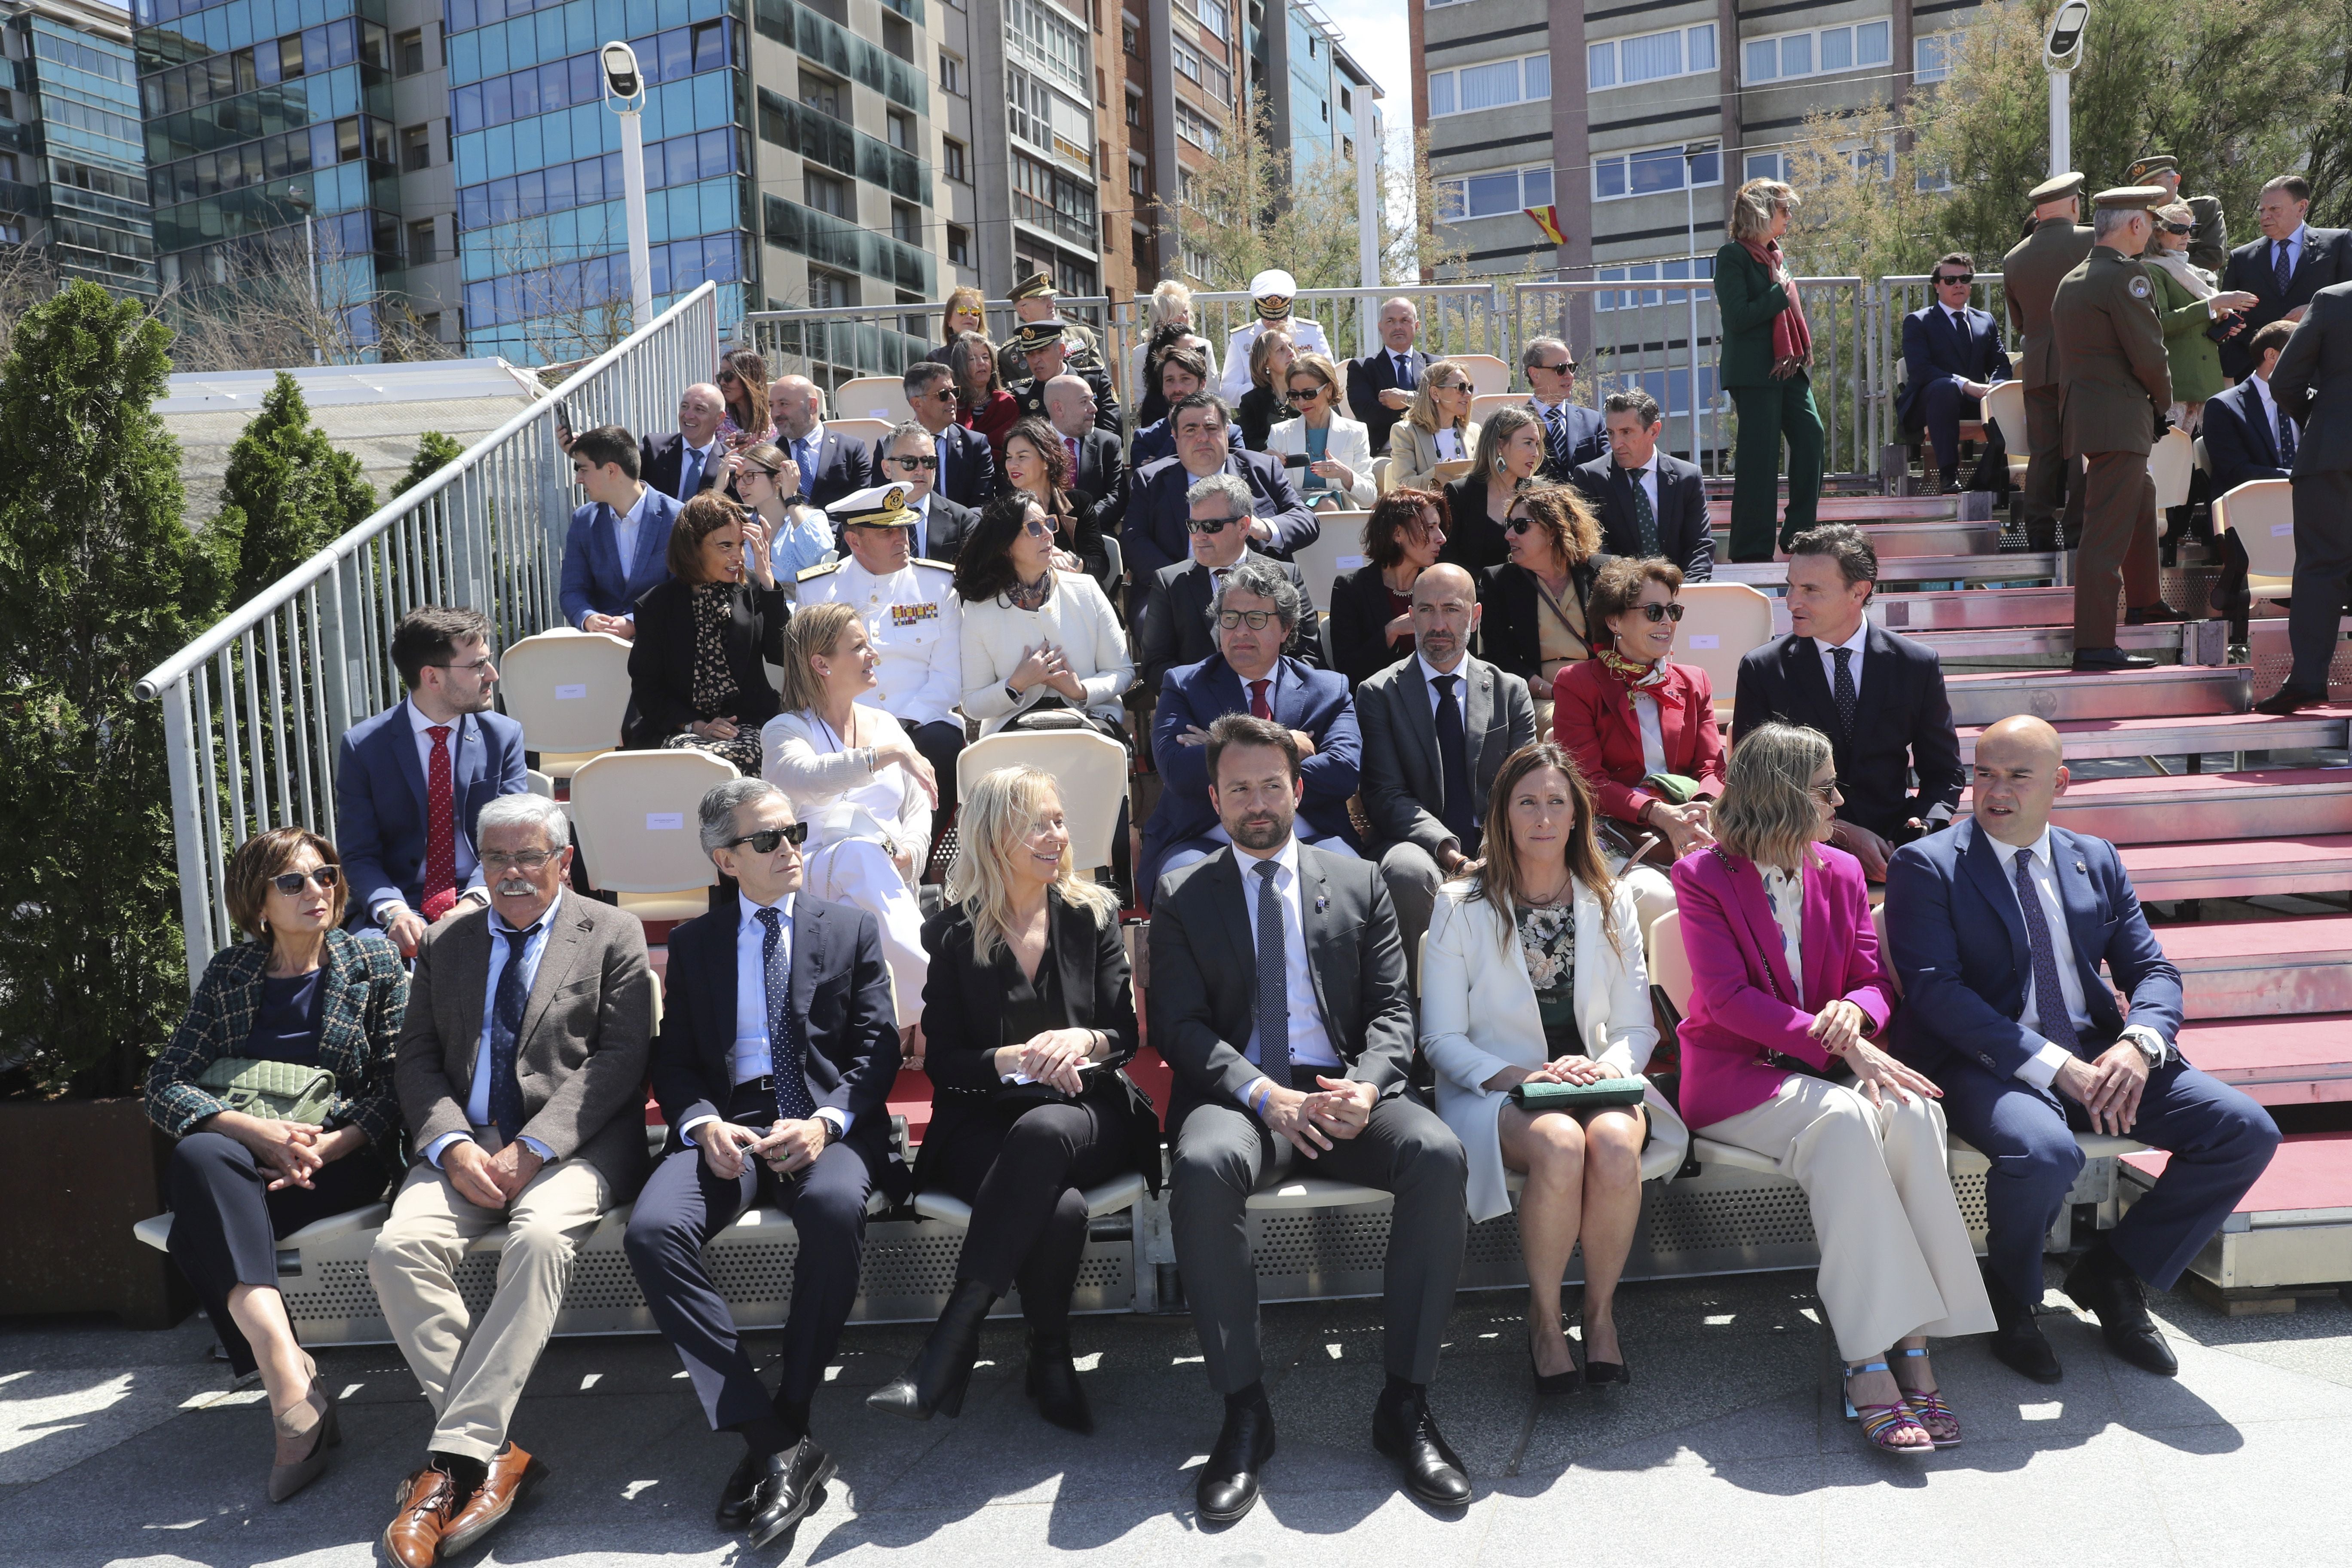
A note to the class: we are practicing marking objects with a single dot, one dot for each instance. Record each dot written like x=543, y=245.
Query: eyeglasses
x=1037, y=528
x=290, y=882
x=761, y=469
x=944, y=395
x=1654, y=613
x=1209, y=524
x=2180, y=229
x=1449, y=386
x=764, y=842
x=1948, y=280
x=1828, y=793
x=917, y=462
x=1563, y=368
x=532, y=861
x=1256, y=620
x=482, y=663
x=1519, y=525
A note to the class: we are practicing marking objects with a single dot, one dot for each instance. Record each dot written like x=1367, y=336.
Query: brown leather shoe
x=512, y=1473
x=414, y=1537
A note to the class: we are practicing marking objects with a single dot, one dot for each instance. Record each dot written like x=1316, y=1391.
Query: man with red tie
x=410, y=782
x=1098, y=469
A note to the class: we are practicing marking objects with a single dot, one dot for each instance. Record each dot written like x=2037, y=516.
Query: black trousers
x=941, y=741
x=1022, y=1169
x=225, y=1222
x=2323, y=555
x=684, y=1204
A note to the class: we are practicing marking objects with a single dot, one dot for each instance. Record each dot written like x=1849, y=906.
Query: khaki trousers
x=473, y=1372
x=1895, y=1258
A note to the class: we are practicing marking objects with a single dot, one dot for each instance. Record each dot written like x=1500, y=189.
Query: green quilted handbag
x=279, y=1092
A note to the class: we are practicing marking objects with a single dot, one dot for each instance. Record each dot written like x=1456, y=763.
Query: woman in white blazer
x=1341, y=476
x=1436, y=428
x=1552, y=951
x=1033, y=637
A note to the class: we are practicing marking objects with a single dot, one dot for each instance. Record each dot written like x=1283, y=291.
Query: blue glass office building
x=73, y=176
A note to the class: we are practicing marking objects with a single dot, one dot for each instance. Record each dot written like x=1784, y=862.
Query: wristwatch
x=2151, y=1051
x=832, y=1133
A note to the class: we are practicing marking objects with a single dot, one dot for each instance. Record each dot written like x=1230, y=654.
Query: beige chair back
x=1669, y=967
x=2171, y=462
x=2004, y=410
x=864, y=432
x=1338, y=550
x=1089, y=772
x=1486, y=372
x=1380, y=466
x=633, y=814
x=1722, y=623
x=882, y=397
x=2262, y=514
x=1483, y=405
x=568, y=690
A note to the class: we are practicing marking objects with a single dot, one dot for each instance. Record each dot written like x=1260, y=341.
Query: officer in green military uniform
x=1044, y=349
x=2113, y=387
x=2030, y=276
x=1033, y=300
x=2208, y=242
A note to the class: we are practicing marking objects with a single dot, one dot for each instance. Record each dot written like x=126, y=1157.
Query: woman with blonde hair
x=1550, y=945
x=1505, y=461
x=1534, y=622
x=1764, y=363
x=1167, y=317
x=2187, y=303
x=966, y=311
x=1270, y=355
x=1028, y=1015
x=1780, y=1056
x=1436, y=429
x=1337, y=450
x=743, y=387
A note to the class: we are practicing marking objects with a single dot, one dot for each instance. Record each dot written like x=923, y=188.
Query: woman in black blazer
x=1533, y=622
x=1370, y=614
x=697, y=667
x=1028, y=981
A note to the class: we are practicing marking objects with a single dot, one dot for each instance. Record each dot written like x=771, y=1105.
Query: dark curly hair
x=1041, y=435
x=1395, y=518
x=984, y=564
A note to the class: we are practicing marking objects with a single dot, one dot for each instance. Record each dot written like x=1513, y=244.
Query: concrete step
x=2290, y=967
x=2166, y=691
x=1900, y=538
x=2278, y=1061
x=2208, y=807
x=1860, y=509
x=2087, y=738
x=2054, y=645
x=2290, y=1233
x=2246, y=868
x=2025, y=566
x=1955, y=609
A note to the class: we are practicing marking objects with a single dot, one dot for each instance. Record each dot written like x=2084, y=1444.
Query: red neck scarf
x=1636, y=677
x=1792, y=340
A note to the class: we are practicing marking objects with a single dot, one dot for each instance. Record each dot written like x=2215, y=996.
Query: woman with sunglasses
x=706, y=635
x=1040, y=640
x=981, y=404
x=2188, y=305
x=855, y=777
x=1510, y=451
x=1436, y=429
x=966, y=311
x=798, y=536
x=1337, y=450
x=1629, y=714
x=1534, y=607
x=1780, y=1056
x=1028, y=1014
x=1371, y=606
x=1270, y=355
x=1037, y=464
x=304, y=991
x=743, y=385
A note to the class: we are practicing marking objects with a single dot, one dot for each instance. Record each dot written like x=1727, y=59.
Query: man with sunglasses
x=1155, y=533
x=1573, y=434
x=1178, y=624
x=777, y=1052
x=1951, y=356
x=411, y=781
x=966, y=473
x=908, y=458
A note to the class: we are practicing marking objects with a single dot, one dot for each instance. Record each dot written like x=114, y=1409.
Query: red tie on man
x=1259, y=708
x=440, y=830
x=1071, y=443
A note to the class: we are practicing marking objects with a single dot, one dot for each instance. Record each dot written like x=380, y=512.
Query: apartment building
x=73, y=169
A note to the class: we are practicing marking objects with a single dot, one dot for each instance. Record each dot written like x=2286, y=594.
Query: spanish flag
x=1547, y=219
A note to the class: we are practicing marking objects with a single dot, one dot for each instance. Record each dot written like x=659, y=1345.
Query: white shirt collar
x=2294, y=241
x=1861, y=637
x=749, y=917
x=546, y=916
x=705, y=450
x=1287, y=857
x=1430, y=672
x=419, y=720
x=2008, y=852
x=815, y=436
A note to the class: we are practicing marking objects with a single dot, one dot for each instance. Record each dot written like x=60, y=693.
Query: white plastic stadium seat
x=1487, y=373
x=882, y=397
x=1483, y=406
x=1669, y=968
x=1380, y=466
x=568, y=690
x=1089, y=772
x=864, y=432
x=2262, y=514
x=1722, y=623
x=2004, y=409
x=1338, y=550
x=633, y=814
x=2171, y=462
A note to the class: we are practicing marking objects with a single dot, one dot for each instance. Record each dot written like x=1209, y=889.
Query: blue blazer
x=380, y=801
x=1315, y=701
x=840, y=992
x=1957, y=939
x=843, y=467
x=1158, y=440
x=2238, y=442
x=1933, y=352
x=1155, y=535
x=1585, y=441
x=595, y=578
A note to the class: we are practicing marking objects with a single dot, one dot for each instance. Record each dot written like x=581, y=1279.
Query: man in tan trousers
x=521, y=1070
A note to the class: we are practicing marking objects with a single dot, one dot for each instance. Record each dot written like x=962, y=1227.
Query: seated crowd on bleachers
x=1485, y=773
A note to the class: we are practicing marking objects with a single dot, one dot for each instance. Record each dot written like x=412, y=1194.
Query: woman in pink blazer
x=1786, y=998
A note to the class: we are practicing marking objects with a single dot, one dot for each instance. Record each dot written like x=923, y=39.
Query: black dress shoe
x=2152, y=615
x=2103, y=660
x=1052, y=1382
x=941, y=1370
x=2104, y=1285
x=790, y=1484
x=2289, y=699
x=2017, y=1340
x=1228, y=1481
x=1403, y=1430
x=735, y=1502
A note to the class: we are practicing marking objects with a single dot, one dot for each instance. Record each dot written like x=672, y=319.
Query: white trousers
x=859, y=871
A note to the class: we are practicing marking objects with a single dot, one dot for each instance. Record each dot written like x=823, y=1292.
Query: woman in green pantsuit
x=1766, y=350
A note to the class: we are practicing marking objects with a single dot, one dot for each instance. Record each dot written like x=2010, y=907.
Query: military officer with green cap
x=2208, y=242
x=2030, y=276
x=1043, y=347
x=2113, y=387
x=1033, y=300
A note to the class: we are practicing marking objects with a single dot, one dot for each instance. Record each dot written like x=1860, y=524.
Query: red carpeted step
x=2279, y=1061
x=2311, y=1176
x=2264, y=968
x=2169, y=737
x=2241, y=869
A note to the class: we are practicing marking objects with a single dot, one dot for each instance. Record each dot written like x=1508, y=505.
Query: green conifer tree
x=288, y=492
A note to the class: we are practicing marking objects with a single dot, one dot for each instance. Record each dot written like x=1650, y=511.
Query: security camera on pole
x=2061, y=52
x=624, y=95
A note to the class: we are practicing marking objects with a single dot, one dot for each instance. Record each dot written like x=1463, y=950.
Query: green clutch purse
x=1608, y=1091
x=1677, y=789
x=280, y=1091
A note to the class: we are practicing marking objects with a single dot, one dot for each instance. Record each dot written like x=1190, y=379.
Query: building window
x=420, y=243
x=950, y=74
x=958, y=246
x=1669, y=388
x=1193, y=127
x=831, y=291
x=1650, y=56
x=1347, y=100
x=1347, y=148
x=1128, y=41
x=1489, y=86
x=428, y=326
x=1138, y=181
x=1039, y=30
x=1214, y=18
x=415, y=148
x=1764, y=167
x=1653, y=170
x=1135, y=111
x=820, y=93
x=1931, y=56
x=408, y=51
x=1679, y=268
x=1788, y=55
x=1188, y=59
x=827, y=195
x=1197, y=265
x=897, y=36
x=951, y=161
x=1505, y=191
x=905, y=224
x=902, y=132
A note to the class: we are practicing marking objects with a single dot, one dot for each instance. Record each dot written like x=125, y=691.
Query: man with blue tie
x=777, y=1053
x=830, y=466
x=1952, y=357
x=618, y=544
x=2246, y=437
x=691, y=459
x=1573, y=434
x=1997, y=930
x=2283, y=269
x=966, y=474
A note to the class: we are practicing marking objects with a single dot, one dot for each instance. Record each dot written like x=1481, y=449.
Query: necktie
x=505, y=1029
x=2282, y=266
x=807, y=465
x=1460, y=812
x=1258, y=705
x=440, y=829
x=1555, y=427
x=1842, y=692
x=690, y=473
x=1273, y=975
x=1405, y=378
x=784, y=1058
x=1645, y=517
x=2049, y=996
x=1071, y=443
x=2286, y=437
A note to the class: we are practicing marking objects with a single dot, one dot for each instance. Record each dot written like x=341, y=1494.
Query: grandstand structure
x=2236, y=827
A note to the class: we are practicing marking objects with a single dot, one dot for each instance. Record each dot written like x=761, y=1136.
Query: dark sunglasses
x=1036, y=528
x=1826, y=792
x=290, y=882
x=1563, y=368
x=1947, y=277
x=917, y=462
x=1295, y=396
x=764, y=842
x=2180, y=229
x=1654, y=613
x=1517, y=525
x=1209, y=524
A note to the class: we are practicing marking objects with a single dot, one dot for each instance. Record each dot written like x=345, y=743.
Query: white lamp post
x=299, y=198
x=2061, y=52
x=624, y=95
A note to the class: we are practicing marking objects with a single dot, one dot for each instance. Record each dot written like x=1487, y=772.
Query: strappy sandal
x=1883, y=1423
x=1929, y=1409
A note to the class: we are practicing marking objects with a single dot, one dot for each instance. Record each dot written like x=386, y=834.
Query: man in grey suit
x=1436, y=729
x=1279, y=1000
x=2312, y=384
x=521, y=1071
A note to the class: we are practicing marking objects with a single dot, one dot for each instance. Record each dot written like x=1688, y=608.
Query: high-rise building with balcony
x=73, y=171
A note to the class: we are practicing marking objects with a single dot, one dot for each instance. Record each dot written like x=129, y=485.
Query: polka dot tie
x=440, y=830
x=784, y=1062
x=1843, y=693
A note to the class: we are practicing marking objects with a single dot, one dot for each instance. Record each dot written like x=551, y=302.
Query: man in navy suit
x=691, y=459
x=829, y=467
x=617, y=545
x=1154, y=533
x=1182, y=372
x=2246, y=436
x=1635, y=477
x=1380, y=385
x=967, y=463
x=1573, y=434
x=410, y=782
x=773, y=1068
x=1952, y=357
x=2283, y=269
x=1997, y=930
x=1249, y=675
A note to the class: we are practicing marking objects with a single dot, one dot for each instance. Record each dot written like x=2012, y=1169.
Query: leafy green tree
x=102, y=581
x=288, y=492
x=435, y=452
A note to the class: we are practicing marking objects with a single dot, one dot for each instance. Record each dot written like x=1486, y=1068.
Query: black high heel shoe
x=1601, y=1373
x=1551, y=1382
x=1052, y=1382
x=942, y=1369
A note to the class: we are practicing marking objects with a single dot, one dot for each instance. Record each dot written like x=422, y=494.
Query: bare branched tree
x=274, y=301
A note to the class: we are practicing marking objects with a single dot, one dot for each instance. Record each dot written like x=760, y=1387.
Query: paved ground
x=117, y=1447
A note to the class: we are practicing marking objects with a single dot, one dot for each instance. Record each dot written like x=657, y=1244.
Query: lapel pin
x=2079, y=867
x=1321, y=903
